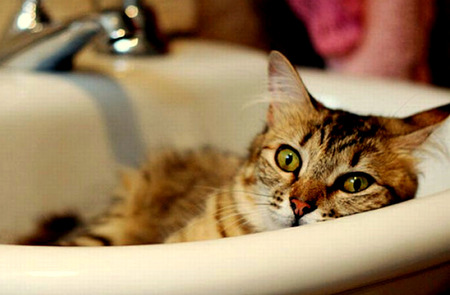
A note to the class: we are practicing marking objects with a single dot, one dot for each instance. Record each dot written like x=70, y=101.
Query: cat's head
x=312, y=163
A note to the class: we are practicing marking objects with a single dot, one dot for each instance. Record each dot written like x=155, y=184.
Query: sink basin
x=65, y=137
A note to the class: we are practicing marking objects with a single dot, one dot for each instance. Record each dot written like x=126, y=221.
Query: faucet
x=35, y=42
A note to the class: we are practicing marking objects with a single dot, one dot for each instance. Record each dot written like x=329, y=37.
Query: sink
x=65, y=137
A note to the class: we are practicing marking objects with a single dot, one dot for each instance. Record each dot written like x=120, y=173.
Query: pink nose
x=300, y=208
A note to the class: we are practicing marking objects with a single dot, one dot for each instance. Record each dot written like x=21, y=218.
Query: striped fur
x=207, y=194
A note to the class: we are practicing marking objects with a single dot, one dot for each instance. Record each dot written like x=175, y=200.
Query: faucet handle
x=133, y=30
x=143, y=19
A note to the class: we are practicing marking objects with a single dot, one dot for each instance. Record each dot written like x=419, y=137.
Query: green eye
x=356, y=182
x=287, y=159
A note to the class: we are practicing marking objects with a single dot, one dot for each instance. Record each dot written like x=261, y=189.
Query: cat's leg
x=159, y=199
x=104, y=231
x=117, y=225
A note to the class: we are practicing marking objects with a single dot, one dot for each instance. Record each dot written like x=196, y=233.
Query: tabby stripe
x=306, y=138
x=245, y=227
x=347, y=144
x=242, y=221
x=322, y=136
x=218, y=217
x=322, y=128
x=355, y=159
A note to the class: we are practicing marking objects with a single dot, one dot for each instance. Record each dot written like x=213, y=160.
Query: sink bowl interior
x=65, y=137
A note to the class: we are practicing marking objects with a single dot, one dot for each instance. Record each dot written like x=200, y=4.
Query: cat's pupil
x=289, y=159
x=357, y=184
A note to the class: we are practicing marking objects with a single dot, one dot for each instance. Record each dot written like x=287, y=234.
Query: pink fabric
x=370, y=37
x=335, y=26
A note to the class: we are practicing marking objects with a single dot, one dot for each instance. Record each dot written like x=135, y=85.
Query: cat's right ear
x=286, y=88
x=415, y=129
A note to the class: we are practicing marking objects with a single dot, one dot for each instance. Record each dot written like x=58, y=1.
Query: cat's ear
x=415, y=129
x=286, y=86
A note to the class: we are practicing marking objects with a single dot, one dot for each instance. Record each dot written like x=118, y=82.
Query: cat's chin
x=280, y=223
x=312, y=217
x=277, y=221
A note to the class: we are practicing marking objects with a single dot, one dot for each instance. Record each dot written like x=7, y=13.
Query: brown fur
x=207, y=194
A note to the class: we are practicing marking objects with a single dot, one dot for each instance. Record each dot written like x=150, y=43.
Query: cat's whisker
x=251, y=193
x=394, y=114
x=223, y=190
x=236, y=204
x=227, y=224
x=256, y=102
x=244, y=219
x=246, y=212
x=234, y=209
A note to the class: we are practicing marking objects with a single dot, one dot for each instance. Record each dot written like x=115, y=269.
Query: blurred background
x=397, y=39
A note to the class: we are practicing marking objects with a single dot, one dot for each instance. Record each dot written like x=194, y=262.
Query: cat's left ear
x=415, y=129
x=286, y=86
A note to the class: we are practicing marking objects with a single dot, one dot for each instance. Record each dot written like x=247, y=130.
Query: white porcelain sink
x=63, y=139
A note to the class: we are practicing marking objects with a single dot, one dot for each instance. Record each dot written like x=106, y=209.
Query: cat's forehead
x=340, y=124
x=331, y=140
x=331, y=125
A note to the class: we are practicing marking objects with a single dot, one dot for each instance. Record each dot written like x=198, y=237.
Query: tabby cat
x=309, y=164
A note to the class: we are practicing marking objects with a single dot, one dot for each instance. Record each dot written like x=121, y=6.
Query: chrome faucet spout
x=52, y=49
x=34, y=42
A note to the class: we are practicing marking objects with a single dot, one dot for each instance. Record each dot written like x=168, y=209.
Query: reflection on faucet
x=34, y=42
x=32, y=17
x=135, y=30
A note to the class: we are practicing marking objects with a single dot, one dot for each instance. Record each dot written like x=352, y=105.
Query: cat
x=309, y=164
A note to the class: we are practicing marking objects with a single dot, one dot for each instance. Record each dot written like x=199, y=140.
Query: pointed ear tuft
x=415, y=129
x=429, y=117
x=286, y=86
x=284, y=79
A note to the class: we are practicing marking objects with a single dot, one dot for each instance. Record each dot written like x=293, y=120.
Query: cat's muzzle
x=300, y=209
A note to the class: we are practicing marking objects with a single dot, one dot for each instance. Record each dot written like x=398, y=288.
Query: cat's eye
x=355, y=182
x=288, y=159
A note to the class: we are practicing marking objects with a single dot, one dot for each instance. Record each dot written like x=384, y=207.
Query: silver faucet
x=35, y=42
x=32, y=17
